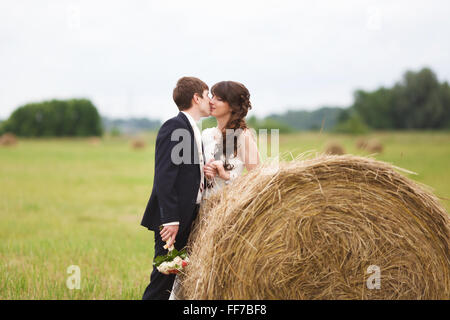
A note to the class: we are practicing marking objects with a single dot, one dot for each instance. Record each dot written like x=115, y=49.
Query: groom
x=179, y=179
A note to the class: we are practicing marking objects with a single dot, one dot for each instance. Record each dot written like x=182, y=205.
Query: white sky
x=126, y=56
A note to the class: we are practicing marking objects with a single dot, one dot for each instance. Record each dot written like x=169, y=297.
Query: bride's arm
x=248, y=153
x=217, y=166
x=248, y=150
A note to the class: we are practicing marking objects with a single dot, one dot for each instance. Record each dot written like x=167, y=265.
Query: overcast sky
x=126, y=56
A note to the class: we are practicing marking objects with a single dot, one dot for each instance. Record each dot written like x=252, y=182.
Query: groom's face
x=204, y=103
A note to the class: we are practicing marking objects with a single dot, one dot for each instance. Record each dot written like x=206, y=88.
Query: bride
x=230, y=147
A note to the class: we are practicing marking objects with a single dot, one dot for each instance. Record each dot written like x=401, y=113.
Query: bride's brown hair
x=238, y=98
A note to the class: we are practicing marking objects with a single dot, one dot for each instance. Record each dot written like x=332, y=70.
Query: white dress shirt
x=198, y=141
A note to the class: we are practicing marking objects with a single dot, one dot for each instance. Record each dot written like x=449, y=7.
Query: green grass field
x=67, y=202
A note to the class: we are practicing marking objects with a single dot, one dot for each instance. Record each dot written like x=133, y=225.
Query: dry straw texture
x=312, y=229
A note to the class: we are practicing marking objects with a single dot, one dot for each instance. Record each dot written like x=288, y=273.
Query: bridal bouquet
x=173, y=262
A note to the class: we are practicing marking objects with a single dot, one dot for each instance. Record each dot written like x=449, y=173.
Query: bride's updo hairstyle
x=238, y=98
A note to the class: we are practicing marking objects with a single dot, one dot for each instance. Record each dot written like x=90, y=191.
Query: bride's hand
x=210, y=172
x=218, y=165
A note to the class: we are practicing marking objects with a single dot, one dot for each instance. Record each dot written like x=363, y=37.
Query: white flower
x=178, y=260
x=164, y=268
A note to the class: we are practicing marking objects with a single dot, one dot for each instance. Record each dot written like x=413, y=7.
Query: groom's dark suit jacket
x=175, y=186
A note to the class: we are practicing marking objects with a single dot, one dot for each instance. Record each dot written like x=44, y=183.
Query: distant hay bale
x=318, y=229
x=334, y=148
x=137, y=144
x=361, y=143
x=8, y=139
x=374, y=146
x=95, y=141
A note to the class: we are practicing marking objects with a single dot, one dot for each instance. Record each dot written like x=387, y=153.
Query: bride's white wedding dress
x=212, y=140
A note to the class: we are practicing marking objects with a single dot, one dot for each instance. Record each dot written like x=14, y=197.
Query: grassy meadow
x=69, y=202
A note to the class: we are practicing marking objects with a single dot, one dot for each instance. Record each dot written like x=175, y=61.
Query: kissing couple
x=191, y=165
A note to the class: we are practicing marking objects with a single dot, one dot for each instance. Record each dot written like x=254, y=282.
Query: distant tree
x=115, y=132
x=209, y=122
x=130, y=125
x=354, y=124
x=325, y=117
x=271, y=123
x=75, y=117
x=444, y=94
x=344, y=115
x=375, y=108
x=418, y=101
x=254, y=123
x=268, y=123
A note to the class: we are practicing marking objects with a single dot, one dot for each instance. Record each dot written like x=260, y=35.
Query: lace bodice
x=212, y=138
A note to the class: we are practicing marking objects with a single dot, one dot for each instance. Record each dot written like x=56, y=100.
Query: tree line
x=417, y=101
x=55, y=118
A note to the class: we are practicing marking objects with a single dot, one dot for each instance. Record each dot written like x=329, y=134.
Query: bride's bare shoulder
x=246, y=141
x=248, y=134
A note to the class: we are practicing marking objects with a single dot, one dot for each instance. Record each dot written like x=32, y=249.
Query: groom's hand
x=168, y=234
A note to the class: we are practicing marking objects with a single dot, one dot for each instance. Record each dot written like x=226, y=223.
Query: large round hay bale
x=8, y=139
x=334, y=148
x=320, y=229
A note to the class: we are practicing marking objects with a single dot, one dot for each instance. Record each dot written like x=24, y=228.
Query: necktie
x=202, y=184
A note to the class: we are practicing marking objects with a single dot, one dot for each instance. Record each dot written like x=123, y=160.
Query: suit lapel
x=193, y=142
x=186, y=120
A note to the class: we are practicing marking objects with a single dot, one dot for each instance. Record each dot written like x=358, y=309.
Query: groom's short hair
x=185, y=90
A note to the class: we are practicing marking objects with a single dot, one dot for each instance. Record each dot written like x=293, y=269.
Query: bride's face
x=219, y=108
